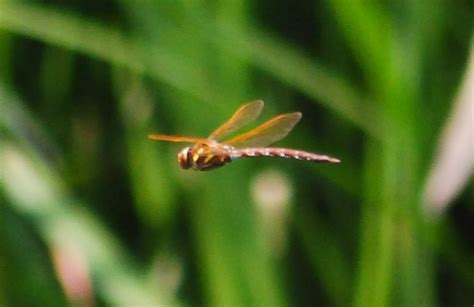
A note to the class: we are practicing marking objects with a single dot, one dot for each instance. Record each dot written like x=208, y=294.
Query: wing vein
x=243, y=116
x=267, y=133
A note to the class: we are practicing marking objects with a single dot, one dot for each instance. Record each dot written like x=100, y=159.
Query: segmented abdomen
x=282, y=153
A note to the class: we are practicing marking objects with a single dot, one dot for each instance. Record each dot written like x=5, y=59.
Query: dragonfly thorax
x=204, y=157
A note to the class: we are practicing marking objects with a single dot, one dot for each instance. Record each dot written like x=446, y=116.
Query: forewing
x=267, y=133
x=243, y=116
x=177, y=139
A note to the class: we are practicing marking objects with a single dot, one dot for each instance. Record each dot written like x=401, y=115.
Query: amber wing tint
x=267, y=133
x=177, y=139
x=243, y=116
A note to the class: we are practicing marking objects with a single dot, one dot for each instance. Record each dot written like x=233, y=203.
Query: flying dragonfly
x=211, y=152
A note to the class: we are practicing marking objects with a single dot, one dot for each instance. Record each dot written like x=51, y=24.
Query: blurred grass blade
x=391, y=244
x=454, y=163
x=367, y=30
x=263, y=51
x=293, y=67
x=180, y=70
x=63, y=221
x=327, y=258
x=154, y=193
x=97, y=40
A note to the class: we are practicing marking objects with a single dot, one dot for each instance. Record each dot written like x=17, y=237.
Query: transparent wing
x=267, y=133
x=243, y=116
x=175, y=138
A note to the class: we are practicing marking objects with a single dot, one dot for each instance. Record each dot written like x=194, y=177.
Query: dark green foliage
x=83, y=84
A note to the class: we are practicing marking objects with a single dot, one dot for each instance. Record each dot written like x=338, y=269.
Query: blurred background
x=92, y=213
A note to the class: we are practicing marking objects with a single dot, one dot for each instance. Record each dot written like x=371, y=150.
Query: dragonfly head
x=184, y=158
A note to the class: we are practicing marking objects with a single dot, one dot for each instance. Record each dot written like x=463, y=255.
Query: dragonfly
x=213, y=152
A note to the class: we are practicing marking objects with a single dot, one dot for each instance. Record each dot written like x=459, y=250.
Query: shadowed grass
x=74, y=158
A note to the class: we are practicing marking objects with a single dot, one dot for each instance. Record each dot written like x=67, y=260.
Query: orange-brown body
x=203, y=157
x=210, y=153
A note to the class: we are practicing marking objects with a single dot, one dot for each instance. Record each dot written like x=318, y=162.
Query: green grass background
x=82, y=83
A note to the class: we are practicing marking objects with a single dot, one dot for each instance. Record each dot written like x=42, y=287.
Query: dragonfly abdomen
x=282, y=153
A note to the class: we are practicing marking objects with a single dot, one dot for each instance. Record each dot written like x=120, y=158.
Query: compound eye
x=183, y=159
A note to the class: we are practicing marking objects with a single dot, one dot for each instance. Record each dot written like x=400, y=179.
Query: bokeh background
x=92, y=213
